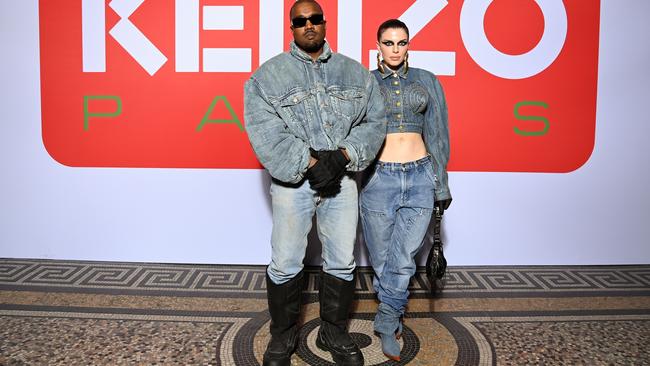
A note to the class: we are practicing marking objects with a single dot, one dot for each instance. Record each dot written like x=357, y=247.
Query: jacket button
x=396, y=91
x=295, y=100
x=395, y=82
x=398, y=104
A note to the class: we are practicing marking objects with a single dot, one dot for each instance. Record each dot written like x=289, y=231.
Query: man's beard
x=312, y=46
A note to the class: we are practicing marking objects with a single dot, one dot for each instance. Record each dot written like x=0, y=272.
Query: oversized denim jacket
x=415, y=102
x=292, y=103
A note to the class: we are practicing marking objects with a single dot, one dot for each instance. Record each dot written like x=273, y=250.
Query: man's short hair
x=303, y=1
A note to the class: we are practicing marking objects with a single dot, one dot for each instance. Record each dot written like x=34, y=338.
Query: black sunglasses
x=315, y=19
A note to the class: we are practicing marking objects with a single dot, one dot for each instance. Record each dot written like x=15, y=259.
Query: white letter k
x=133, y=41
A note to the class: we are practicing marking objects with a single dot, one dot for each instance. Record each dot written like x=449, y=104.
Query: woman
x=409, y=178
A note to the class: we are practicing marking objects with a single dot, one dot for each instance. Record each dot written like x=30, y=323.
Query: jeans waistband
x=404, y=166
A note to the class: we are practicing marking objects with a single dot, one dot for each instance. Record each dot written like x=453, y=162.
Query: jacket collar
x=402, y=72
x=298, y=53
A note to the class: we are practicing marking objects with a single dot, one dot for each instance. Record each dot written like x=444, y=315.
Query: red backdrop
x=160, y=114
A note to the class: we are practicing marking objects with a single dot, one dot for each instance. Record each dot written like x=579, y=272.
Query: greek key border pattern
x=249, y=281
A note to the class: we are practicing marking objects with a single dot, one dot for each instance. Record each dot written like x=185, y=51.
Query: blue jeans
x=336, y=220
x=396, y=208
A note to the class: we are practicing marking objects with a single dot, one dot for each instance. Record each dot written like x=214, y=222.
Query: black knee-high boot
x=284, y=306
x=335, y=301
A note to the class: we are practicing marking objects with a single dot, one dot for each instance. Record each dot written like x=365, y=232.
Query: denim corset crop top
x=405, y=98
x=415, y=102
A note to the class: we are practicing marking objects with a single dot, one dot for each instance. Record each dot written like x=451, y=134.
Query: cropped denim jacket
x=292, y=103
x=415, y=102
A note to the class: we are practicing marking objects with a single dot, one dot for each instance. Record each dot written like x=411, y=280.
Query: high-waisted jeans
x=294, y=207
x=396, y=207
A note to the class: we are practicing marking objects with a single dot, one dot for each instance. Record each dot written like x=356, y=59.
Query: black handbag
x=436, y=262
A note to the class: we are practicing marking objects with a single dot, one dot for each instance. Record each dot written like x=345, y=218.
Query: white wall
x=595, y=215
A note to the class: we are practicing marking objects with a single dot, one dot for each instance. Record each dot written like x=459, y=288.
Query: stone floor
x=107, y=313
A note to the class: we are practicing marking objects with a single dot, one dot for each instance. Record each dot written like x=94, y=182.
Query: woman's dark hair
x=391, y=23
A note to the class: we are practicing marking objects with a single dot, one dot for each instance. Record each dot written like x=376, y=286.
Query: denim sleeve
x=436, y=137
x=285, y=156
x=367, y=135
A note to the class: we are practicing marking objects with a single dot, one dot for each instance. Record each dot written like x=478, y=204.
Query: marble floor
x=109, y=313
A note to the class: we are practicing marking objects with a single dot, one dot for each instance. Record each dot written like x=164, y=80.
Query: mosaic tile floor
x=107, y=313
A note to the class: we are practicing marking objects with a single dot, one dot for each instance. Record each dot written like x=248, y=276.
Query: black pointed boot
x=284, y=306
x=335, y=302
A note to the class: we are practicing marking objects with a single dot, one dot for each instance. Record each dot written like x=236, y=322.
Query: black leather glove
x=321, y=180
x=331, y=189
x=318, y=175
x=325, y=176
x=334, y=160
x=442, y=205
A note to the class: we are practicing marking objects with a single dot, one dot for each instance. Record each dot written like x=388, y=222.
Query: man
x=312, y=116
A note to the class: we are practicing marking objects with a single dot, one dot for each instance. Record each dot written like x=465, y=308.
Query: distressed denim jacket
x=415, y=102
x=292, y=103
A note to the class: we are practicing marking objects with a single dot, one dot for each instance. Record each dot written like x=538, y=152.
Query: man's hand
x=325, y=175
x=442, y=205
x=335, y=161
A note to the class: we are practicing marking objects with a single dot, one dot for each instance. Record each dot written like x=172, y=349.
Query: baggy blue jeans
x=336, y=218
x=396, y=208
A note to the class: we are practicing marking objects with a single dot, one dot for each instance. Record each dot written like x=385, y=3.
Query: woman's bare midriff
x=403, y=147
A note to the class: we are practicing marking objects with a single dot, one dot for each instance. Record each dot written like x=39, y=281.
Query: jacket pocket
x=294, y=110
x=346, y=101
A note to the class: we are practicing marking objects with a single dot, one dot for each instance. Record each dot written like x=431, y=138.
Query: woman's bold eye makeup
x=401, y=43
